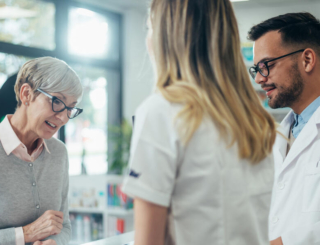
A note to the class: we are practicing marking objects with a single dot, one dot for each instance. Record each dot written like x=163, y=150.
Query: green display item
x=120, y=137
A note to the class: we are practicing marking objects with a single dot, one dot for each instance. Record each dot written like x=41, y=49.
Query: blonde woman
x=201, y=170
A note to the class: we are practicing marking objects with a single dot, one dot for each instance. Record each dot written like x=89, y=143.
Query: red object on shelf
x=111, y=190
x=120, y=226
x=124, y=198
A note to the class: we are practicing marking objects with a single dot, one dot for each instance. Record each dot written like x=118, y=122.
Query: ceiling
x=120, y=5
x=143, y=4
x=272, y=3
x=277, y=1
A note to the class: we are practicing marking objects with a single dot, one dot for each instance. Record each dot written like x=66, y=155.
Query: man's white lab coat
x=295, y=207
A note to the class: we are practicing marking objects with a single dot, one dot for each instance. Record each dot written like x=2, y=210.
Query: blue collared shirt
x=302, y=119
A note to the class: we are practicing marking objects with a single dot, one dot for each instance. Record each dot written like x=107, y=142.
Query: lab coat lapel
x=280, y=146
x=306, y=136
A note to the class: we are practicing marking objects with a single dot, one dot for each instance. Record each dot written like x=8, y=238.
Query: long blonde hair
x=198, y=60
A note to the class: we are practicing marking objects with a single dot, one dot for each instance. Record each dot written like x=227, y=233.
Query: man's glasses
x=263, y=67
x=59, y=106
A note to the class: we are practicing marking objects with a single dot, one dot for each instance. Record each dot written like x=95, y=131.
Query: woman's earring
x=26, y=103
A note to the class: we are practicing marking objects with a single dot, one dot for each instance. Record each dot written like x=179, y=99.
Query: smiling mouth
x=50, y=124
x=269, y=89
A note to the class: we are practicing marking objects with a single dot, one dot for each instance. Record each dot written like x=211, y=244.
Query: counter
x=124, y=239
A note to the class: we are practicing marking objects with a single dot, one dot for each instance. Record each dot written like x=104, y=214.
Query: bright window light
x=88, y=33
x=239, y=0
x=98, y=96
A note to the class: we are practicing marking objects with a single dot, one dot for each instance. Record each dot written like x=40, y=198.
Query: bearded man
x=287, y=66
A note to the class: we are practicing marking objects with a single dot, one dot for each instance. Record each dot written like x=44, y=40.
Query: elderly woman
x=34, y=165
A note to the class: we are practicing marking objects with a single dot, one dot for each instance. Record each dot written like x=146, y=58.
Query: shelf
x=126, y=238
x=75, y=243
x=120, y=212
x=87, y=210
x=109, y=211
x=248, y=63
x=278, y=111
x=79, y=242
x=257, y=87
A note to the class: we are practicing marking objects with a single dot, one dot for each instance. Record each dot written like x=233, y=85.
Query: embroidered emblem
x=134, y=174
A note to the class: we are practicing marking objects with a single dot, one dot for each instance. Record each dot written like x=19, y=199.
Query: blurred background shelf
x=87, y=210
x=98, y=208
x=110, y=211
x=257, y=87
x=120, y=212
x=74, y=243
x=281, y=111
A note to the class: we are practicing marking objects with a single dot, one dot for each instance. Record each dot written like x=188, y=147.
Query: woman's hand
x=47, y=242
x=50, y=223
x=278, y=241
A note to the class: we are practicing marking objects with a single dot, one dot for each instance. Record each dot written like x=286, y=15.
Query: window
x=9, y=65
x=86, y=135
x=92, y=34
x=88, y=33
x=28, y=23
x=88, y=39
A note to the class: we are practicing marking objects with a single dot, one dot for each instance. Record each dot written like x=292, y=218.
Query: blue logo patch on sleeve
x=134, y=174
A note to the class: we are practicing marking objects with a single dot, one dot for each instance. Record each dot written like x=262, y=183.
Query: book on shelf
x=116, y=198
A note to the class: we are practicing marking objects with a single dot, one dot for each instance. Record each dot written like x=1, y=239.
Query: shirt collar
x=10, y=140
x=308, y=112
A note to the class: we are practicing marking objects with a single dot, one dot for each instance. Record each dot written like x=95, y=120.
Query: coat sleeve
x=154, y=153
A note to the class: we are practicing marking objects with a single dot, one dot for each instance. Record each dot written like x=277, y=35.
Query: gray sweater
x=27, y=190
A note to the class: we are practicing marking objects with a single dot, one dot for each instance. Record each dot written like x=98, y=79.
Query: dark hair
x=295, y=28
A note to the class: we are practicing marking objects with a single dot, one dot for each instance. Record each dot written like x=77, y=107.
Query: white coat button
x=275, y=220
x=38, y=206
x=30, y=164
x=34, y=184
x=281, y=185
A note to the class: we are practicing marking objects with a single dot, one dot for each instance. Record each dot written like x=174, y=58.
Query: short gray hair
x=49, y=74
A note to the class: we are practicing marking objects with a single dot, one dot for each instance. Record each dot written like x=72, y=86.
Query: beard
x=288, y=95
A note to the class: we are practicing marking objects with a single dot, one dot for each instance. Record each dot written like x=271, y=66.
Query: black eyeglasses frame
x=53, y=98
x=256, y=68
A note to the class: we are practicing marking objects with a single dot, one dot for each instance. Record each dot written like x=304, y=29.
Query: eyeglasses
x=59, y=106
x=263, y=67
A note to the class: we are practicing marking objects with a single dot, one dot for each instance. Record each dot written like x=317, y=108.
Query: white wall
x=248, y=16
x=137, y=69
x=138, y=76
